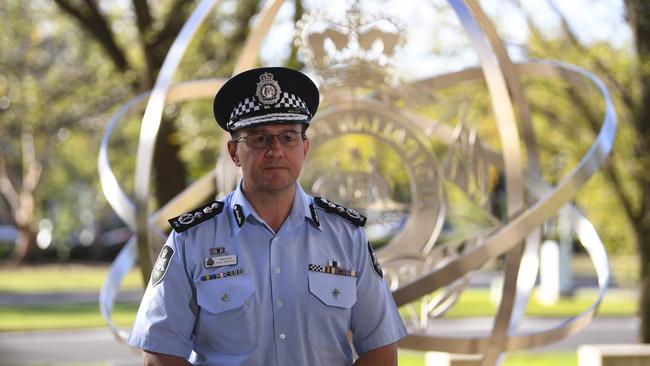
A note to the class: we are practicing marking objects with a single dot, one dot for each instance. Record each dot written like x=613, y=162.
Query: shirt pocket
x=227, y=317
x=330, y=308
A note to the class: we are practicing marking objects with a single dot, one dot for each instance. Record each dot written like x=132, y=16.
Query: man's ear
x=305, y=147
x=232, y=151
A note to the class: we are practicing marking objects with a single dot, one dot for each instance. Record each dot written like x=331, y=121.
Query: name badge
x=223, y=260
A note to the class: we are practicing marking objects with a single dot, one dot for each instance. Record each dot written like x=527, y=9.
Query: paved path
x=97, y=346
x=10, y=298
x=65, y=347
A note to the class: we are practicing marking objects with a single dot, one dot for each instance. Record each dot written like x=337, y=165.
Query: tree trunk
x=643, y=238
x=26, y=249
x=169, y=169
x=638, y=16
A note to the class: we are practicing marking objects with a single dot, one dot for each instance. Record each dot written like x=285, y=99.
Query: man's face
x=271, y=169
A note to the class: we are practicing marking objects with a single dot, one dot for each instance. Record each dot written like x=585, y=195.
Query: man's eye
x=287, y=137
x=257, y=139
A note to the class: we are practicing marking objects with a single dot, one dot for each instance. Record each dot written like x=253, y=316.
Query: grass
x=476, y=302
x=62, y=316
x=60, y=278
x=413, y=358
x=65, y=278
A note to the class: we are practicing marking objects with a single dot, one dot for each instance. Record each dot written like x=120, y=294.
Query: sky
x=436, y=42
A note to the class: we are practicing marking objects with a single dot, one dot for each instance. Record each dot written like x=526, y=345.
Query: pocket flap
x=224, y=294
x=333, y=290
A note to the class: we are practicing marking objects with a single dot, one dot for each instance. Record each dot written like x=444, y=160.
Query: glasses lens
x=289, y=138
x=257, y=140
x=261, y=141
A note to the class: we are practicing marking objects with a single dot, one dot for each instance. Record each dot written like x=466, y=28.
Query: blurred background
x=67, y=65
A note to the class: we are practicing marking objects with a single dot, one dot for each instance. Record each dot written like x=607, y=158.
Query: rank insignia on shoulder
x=193, y=218
x=346, y=213
x=239, y=215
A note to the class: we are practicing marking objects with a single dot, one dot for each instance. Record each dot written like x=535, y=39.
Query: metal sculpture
x=362, y=97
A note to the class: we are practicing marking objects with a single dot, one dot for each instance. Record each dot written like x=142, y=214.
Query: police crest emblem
x=375, y=261
x=162, y=263
x=268, y=90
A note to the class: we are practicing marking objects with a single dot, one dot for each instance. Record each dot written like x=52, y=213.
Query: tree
x=638, y=209
x=627, y=75
x=46, y=101
x=156, y=28
x=155, y=36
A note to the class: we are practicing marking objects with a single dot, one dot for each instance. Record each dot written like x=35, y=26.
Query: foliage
x=64, y=70
x=56, y=91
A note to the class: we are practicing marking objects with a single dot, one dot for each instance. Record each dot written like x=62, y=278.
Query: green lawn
x=60, y=278
x=413, y=358
x=62, y=316
x=476, y=302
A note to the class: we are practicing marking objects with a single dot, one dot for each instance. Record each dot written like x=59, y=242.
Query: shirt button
x=277, y=269
x=282, y=336
x=279, y=302
x=274, y=240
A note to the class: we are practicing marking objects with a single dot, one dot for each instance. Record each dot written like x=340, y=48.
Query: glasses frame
x=269, y=139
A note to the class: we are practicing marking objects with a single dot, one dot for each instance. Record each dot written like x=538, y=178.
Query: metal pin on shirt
x=225, y=297
x=336, y=292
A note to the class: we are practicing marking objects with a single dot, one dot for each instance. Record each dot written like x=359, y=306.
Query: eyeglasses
x=263, y=141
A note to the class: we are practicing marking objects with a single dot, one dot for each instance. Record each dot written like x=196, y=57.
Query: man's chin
x=278, y=186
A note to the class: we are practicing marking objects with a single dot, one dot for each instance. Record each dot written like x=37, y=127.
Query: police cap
x=267, y=95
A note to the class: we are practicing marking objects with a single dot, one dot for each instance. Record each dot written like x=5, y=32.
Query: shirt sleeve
x=375, y=319
x=167, y=313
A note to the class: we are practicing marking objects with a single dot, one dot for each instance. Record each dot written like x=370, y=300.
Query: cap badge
x=268, y=90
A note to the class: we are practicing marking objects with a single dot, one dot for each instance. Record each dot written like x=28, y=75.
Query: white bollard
x=549, y=273
x=450, y=359
x=614, y=355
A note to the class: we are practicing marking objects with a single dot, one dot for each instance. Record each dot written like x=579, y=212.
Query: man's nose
x=274, y=145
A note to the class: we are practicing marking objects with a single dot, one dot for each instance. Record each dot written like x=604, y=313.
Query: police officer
x=269, y=275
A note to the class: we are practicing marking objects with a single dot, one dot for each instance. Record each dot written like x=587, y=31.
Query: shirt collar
x=240, y=210
x=303, y=208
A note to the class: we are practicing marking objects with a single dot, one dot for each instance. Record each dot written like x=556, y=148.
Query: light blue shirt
x=283, y=308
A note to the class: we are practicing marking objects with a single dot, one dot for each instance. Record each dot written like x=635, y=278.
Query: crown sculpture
x=357, y=49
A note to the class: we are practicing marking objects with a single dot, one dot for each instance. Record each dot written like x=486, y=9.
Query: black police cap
x=267, y=95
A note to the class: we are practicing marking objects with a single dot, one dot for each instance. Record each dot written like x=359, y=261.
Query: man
x=269, y=275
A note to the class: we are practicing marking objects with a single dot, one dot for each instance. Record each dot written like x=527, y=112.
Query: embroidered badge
x=268, y=90
x=193, y=218
x=161, y=265
x=375, y=261
x=239, y=215
x=346, y=213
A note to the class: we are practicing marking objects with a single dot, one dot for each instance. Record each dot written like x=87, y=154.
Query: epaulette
x=346, y=213
x=195, y=217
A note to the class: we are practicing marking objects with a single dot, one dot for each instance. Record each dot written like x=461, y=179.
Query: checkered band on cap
x=251, y=111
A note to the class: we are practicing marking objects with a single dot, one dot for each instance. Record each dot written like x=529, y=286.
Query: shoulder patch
x=193, y=218
x=162, y=263
x=375, y=261
x=346, y=213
